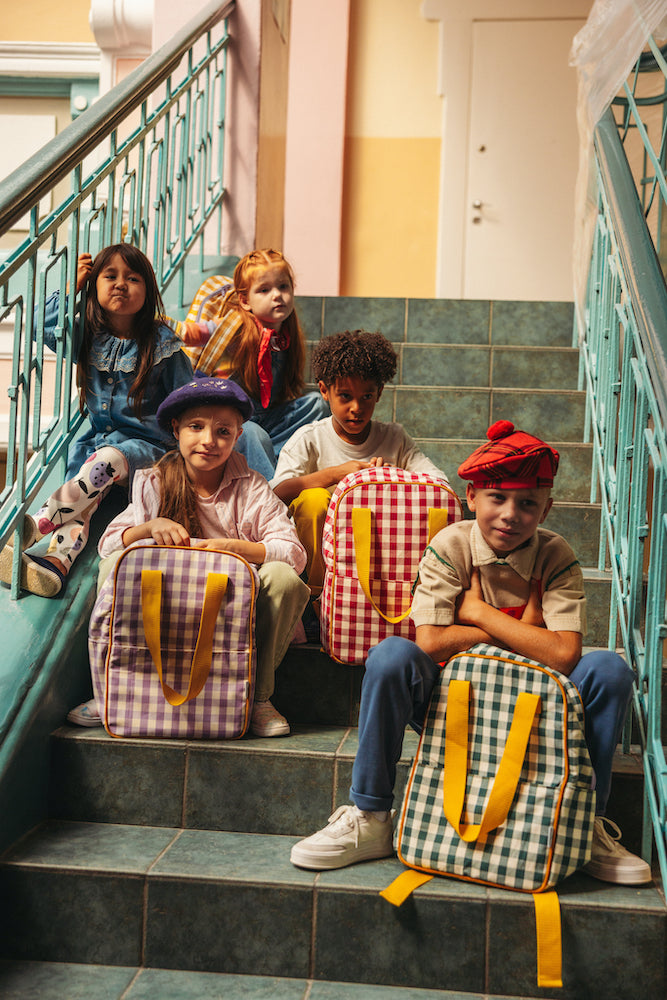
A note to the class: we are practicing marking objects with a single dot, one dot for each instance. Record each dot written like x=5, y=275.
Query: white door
x=522, y=161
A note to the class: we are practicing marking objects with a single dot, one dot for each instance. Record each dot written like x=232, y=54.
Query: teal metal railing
x=624, y=368
x=146, y=165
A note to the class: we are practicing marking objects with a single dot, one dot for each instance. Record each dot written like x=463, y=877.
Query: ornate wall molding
x=44, y=59
x=123, y=25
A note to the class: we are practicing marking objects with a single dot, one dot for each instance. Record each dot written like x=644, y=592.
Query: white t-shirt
x=317, y=446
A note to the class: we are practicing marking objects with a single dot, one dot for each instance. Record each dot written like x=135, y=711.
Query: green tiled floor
x=60, y=981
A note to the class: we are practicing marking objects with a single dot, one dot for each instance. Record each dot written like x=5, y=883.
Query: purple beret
x=207, y=391
x=510, y=459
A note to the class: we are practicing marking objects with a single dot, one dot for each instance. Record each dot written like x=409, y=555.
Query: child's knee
x=389, y=657
x=254, y=434
x=277, y=578
x=106, y=566
x=312, y=504
x=609, y=669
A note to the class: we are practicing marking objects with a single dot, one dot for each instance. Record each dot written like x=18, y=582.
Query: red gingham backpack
x=378, y=524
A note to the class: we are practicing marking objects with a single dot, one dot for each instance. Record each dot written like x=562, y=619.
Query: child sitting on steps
x=504, y=580
x=257, y=342
x=203, y=494
x=127, y=363
x=351, y=370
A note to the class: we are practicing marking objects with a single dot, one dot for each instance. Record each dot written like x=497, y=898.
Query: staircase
x=163, y=870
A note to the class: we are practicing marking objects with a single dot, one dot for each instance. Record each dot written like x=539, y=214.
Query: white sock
x=380, y=815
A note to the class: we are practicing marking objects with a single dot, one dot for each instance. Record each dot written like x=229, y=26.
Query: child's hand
x=212, y=543
x=470, y=605
x=84, y=264
x=532, y=613
x=375, y=463
x=354, y=466
x=164, y=531
x=254, y=552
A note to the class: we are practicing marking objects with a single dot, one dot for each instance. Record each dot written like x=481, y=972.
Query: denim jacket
x=113, y=361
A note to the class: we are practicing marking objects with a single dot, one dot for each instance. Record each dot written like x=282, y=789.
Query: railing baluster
x=624, y=364
x=133, y=171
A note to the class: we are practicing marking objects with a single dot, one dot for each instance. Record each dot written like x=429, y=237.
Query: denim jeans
x=268, y=430
x=396, y=690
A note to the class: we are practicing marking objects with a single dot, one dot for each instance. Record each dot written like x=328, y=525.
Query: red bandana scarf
x=270, y=340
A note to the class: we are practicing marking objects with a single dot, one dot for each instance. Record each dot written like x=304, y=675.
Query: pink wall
x=315, y=143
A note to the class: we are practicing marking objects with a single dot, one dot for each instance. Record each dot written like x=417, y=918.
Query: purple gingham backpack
x=172, y=643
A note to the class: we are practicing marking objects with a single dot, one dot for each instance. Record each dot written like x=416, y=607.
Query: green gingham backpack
x=501, y=789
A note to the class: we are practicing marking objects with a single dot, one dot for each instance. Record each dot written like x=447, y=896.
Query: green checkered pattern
x=548, y=831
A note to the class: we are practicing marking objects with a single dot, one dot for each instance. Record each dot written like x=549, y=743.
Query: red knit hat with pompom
x=510, y=460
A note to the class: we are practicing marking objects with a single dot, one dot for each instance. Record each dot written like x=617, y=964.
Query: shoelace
x=350, y=816
x=605, y=837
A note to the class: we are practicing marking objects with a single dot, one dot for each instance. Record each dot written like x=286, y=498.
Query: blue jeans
x=268, y=430
x=396, y=691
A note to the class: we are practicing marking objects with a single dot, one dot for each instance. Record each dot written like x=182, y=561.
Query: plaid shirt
x=206, y=336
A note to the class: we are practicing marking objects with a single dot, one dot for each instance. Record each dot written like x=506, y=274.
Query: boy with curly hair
x=351, y=370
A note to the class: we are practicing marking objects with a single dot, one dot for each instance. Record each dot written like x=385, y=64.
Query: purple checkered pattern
x=125, y=680
x=400, y=502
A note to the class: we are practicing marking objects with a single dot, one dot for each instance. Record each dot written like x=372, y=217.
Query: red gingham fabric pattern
x=125, y=681
x=400, y=502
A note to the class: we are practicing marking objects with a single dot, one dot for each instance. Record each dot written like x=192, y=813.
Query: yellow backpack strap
x=151, y=606
x=547, y=926
x=361, y=531
x=438, y=517
x=455, y=771
x=403, y=886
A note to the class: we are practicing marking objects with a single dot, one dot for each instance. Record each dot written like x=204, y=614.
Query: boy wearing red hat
x=501, y=579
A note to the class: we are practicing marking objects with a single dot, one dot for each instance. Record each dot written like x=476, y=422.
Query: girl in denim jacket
x=128, y=361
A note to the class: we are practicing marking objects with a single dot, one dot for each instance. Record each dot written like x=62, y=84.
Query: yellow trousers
x=309, y=511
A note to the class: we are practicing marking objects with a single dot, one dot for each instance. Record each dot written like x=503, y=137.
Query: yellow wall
x=272, y=127
x=392, y=152
x=45, y=21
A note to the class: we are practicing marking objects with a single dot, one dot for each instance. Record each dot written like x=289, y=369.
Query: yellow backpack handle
x=456, y=761
x=438, y=517
x=547, y=923
x=151, y=607
x=547, y=907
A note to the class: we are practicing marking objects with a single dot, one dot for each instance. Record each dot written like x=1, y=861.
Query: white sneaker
x=267, y=720
x=85, y=714
x=351, y=836
x=610, y=861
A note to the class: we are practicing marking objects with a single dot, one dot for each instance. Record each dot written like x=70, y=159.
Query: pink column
x=315, y=143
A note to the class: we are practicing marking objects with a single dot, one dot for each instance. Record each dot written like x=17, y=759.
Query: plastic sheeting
x=603, y=52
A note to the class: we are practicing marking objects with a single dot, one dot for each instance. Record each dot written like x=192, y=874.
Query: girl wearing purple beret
x=203, y=494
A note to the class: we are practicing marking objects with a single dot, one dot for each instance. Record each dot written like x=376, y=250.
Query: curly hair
x=356, y=354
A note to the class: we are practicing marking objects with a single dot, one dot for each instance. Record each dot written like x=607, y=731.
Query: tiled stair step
x=285, y=786
x=509, y=367
x=450, y=411
x=62, y=981
x=441, y=321
x=211, y=901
